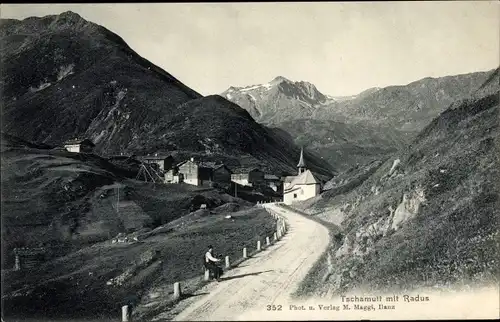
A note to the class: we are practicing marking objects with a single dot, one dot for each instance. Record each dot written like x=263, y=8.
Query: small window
x=295, y=195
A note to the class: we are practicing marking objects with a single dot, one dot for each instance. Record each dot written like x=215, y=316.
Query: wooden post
x=227, y=262
x=206, y=277
x=258, y=245
x=268, y=242
x=275, y=236
x=244, y=252
x=125, y=313
x=177, y=291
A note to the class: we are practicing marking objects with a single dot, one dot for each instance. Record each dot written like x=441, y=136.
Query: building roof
x=270, y=177
x=302, y=163
x=207, y=164
x=181, y=163
x=245, y=170
x=222, y=166
x=186, y=161
x=305, y=178
x=154, y=157
x=292, y=190
x=79, y=141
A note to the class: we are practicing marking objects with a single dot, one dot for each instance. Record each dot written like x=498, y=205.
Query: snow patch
x=40, y=87
x=266, y=86
x=65, y=71
x=249, y=88
x=252, y=97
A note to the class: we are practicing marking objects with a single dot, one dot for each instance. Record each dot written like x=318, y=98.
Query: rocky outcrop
x=407, y=209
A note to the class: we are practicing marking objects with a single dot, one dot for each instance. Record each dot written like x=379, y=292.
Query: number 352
x=274, y=307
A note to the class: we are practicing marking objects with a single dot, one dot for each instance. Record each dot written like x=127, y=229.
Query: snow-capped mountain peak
x=301, y=90
x=280, y=94
x=278, y=80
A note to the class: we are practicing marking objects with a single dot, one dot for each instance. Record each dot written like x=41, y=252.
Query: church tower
x=302, y=164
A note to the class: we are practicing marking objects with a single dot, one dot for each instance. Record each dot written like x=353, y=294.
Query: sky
x=342, y=48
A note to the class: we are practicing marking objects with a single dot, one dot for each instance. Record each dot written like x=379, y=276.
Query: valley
x=116, y=177
x=353, y=129
x=425, y=217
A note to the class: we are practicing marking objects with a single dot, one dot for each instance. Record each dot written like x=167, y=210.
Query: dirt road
x=264, y=280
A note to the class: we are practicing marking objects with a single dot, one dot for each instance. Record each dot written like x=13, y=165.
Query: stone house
x=79, y=146
x=198, y=173
x=248, y=177
x=195, y=173
x=173, y=176
x=161, y=163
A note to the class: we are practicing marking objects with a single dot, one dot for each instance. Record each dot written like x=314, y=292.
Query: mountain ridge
x=388, y=117
x=330, y=102
x=82, y=80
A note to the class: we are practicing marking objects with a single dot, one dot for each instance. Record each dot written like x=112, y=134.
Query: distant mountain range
x=65, y=77
x=358, y=128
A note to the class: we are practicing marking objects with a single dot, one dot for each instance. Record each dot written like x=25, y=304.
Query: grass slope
x=431, y=220
x=68, y=286
x=73, y=204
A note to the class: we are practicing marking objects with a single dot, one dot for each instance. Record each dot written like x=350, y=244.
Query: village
x=165, y=169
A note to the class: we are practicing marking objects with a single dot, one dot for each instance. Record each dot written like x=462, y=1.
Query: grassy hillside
x=73, y=205
x=76, y=198
x=65, y=77
x=426, y=217
x=106, y=276
x=344, y=145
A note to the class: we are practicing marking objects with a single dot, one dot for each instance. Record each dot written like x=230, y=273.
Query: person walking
x=210, y=263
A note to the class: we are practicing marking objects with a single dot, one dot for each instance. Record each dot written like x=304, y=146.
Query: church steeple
x=302, y=164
